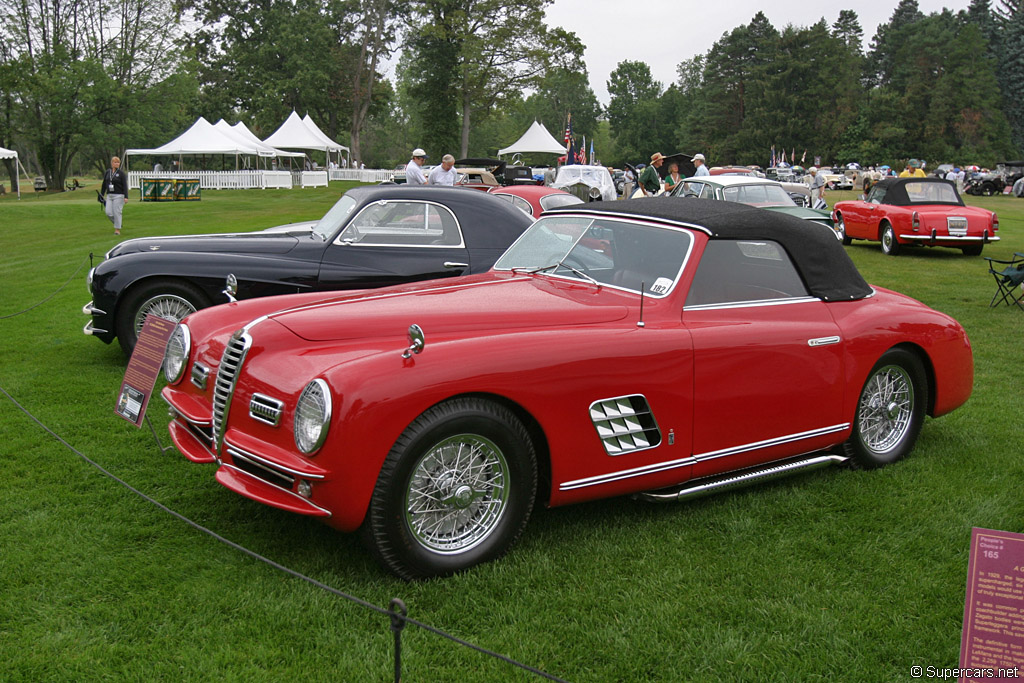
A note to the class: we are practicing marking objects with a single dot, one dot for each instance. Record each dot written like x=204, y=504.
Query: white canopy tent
x=11, y=154
x=243, y=135
x=535, y=139
x=297, y=133
x=201, y=138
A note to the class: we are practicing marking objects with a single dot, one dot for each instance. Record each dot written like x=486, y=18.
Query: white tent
x=294, y=133
x=201, y=138
x=337, y=147
x=11, y=154
x=535, y=139
x=244, y=136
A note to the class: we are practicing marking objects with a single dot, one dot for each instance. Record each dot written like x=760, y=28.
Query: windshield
x=602, y=251
x=333, y=219
x=758, y=195
x=932, y=193
x=550, y=201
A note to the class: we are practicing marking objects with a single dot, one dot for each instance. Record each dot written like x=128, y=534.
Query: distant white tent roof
x=8, y=153
x=237, y=134
x=201, y=138
x=535, y=139
x=320, y=134
x=295, y=134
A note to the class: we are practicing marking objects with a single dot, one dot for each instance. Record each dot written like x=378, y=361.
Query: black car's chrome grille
x=224, y=387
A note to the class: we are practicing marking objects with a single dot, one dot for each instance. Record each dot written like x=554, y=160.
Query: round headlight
x=312, y=416
x=176, y=354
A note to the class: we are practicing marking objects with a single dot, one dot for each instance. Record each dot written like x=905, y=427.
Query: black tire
x=841, y=229
x=890, y=245
x=890, y=410
x=169, y=299
x=431, y=515
x=973, y=250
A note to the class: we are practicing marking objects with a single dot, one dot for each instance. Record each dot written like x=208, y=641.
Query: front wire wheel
x=841, y=229
x=890, y=245
x=456, y=490
x=890, y=410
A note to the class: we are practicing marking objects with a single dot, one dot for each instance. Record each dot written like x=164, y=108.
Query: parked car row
x=426, y=365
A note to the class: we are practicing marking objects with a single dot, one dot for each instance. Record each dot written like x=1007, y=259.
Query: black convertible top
x=819, y=257
x=896, y=190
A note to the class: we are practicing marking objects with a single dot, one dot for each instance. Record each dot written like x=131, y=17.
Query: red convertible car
x=651, y=347
x=922, y=211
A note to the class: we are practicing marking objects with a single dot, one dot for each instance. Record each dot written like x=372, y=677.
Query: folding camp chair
x=1009, y=276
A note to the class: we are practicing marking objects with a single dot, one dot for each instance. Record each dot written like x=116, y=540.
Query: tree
x=1010, y=23
x=634, y=112
x=83, y=66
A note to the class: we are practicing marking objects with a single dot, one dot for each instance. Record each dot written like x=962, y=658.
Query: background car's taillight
x=176, y=354
x=995, y=222
x=915, y=222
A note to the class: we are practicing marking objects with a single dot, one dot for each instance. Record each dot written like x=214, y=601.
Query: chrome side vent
x=265, y=409
x=625, y=424
x=224, y=387
x=200, y=375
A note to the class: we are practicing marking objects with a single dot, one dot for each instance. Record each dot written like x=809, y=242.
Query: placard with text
x=143, y=368
x=992, y=644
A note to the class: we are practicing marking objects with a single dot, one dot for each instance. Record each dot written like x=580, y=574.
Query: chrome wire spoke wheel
x=167, y=306
x=457, y=494
x=886, y=408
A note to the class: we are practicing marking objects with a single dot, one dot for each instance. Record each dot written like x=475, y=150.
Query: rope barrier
x=37, y=305
x=396, y=612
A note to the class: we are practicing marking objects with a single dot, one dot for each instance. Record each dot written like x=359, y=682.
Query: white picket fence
x=238, y=180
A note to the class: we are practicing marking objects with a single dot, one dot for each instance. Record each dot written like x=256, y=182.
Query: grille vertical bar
x=224, y=387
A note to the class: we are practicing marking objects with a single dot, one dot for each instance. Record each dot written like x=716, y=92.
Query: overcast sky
x=664, y=33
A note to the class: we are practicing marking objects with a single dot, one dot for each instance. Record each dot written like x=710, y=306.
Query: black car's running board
x=775, y=470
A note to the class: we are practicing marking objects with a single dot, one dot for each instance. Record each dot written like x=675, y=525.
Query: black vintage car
x=372, y=237
x=994, y=182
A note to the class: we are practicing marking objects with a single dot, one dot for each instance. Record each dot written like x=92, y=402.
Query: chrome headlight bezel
x=312, y=417
x=176, y=354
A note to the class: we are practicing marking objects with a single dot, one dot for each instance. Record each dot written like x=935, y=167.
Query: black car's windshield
x=327, y=226
x=604, y=251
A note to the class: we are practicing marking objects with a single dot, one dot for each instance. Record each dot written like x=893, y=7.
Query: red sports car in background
x=655, y=347
x=922, y=211
x=535, y=199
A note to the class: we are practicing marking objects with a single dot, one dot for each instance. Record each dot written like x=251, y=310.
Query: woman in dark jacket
x=115, y=191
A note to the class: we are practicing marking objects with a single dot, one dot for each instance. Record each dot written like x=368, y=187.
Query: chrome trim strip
x=752, y=304
x=768, y=443
x=824, y=341
x=200, y=375
x=950, y=238
x=306, y=501
x=281, y=470
x=200, y=425
x=693, y=459
x=626, y=474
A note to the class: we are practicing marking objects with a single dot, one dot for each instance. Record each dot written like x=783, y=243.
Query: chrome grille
x=625, y=424
x=957, y=225
x=224, y=387
x=260, y=468
x=265, y=409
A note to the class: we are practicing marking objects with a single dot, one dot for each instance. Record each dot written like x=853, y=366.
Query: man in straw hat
x=650, y=181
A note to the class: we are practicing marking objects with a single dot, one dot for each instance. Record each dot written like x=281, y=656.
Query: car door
x=767, y=359
x=861, y=218
x=394, y=241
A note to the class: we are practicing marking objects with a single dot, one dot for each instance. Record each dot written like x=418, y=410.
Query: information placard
x=992, y=643
x=143, y=368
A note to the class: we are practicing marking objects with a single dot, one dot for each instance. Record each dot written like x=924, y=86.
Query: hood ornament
x=416, y=341
x=231, y=287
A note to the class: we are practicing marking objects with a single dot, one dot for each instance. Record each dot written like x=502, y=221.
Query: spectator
x=673, y=177
x=413, y=170
x=445, y=174
x=698, y=161
x=913, y=170
x=817, y=183
x=650, y=181
x=115, y=191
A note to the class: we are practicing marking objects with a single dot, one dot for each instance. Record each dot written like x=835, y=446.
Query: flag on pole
x=783, y=159
x=592, y=160
x=803, y=157
x=772, y=163
x=568, y=133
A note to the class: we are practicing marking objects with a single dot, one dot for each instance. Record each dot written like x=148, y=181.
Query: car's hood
x=472, y=305
x=279, y=240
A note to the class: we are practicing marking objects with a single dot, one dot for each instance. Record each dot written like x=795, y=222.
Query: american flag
x=568, y=134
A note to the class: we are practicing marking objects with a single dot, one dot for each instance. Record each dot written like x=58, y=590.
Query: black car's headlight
x=176, y=354
x=312, y=416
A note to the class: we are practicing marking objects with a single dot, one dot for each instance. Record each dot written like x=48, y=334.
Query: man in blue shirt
x=698, y=161
x=413, y=172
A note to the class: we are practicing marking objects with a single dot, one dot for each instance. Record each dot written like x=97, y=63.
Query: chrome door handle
x=453, y=264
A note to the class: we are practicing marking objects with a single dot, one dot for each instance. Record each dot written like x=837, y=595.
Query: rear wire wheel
x=890, y=410
x=456, y=490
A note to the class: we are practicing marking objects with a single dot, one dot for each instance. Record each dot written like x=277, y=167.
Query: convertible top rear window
x=742, y=271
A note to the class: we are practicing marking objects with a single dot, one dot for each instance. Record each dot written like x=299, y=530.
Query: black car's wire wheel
x=456, y=490
x=890, y=410
x=167, y=299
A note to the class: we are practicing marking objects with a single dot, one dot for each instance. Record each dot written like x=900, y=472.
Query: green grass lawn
x=837, y=575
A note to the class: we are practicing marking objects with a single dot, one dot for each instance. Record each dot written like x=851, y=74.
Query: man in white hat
x=817, y=183
x=413, y=170
x=698, y=161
